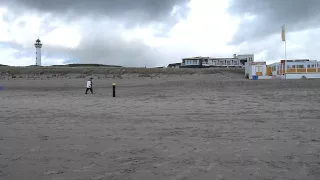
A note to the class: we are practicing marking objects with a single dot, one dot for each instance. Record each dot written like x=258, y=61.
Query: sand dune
x=200, y=126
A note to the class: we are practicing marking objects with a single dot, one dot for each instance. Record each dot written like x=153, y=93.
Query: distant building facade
x=206, y=62
x=285, y=69
x=295, y=69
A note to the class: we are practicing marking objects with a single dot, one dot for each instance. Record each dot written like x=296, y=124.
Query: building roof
x=174, y=64
x=295, y=60
x=222, y=58
x=217, y=58
x=258, y=63
x=245, y=54
x=191, y=58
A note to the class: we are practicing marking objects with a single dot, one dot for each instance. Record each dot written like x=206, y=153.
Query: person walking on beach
x=89, y=86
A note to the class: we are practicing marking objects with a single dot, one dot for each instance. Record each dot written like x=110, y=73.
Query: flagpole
x=284, y=38
x=285, y=57
x=285, y=47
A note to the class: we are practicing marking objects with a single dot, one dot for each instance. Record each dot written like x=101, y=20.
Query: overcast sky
x=155, y=33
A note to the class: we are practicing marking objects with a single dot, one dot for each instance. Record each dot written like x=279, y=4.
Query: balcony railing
x=213, y=64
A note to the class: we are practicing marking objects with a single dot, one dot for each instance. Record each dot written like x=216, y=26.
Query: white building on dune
x=38, y=46
x=205, y=62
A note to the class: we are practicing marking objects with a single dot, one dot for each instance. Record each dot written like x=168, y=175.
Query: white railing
x=214, y=64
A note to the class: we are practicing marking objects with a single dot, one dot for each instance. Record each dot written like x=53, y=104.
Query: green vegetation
x=85, y=65
x=111, y=70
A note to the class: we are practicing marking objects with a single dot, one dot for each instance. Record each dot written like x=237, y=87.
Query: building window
x=293, y=66
x=300, y=66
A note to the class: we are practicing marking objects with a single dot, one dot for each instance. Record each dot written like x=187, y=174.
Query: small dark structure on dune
x=174, y=65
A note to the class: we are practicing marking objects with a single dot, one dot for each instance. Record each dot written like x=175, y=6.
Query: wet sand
x=214, y=126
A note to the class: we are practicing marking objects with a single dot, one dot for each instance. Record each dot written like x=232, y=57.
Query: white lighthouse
x=38, y=46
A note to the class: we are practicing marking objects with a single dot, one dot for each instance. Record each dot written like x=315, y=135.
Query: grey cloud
x=129, y=11
x=133, y=54
x=114, y=51
x=102, y=46
x=101, y=43
x=273, y=50
x=12, y=45
x=271, y=15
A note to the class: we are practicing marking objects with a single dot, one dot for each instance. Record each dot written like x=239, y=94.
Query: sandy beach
x=177, y=127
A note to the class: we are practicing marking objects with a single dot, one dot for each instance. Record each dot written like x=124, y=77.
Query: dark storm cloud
x=271, y=15
x=131, y=11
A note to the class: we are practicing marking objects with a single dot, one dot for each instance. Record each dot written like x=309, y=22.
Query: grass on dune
x=107, y=70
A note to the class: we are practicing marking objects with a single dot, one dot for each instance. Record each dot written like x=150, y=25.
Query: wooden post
x=114, y=89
